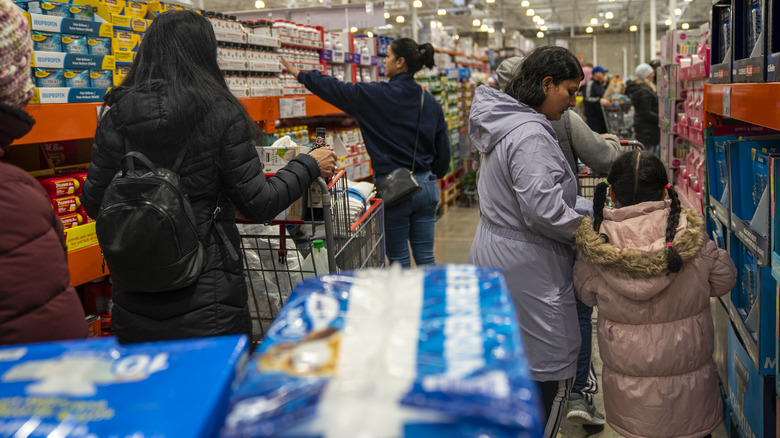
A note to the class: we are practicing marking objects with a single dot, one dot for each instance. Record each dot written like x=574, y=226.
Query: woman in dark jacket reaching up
x=389, y=113
x=176, y=97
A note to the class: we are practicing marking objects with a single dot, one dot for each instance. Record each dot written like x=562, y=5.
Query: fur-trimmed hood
x=635, y=255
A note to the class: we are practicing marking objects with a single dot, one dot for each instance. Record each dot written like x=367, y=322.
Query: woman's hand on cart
x=326, y=159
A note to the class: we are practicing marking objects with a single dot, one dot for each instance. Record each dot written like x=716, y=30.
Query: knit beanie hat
x=643, y=71
x=16, y=87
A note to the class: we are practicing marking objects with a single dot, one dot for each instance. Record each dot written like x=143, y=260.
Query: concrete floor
x=454, y=234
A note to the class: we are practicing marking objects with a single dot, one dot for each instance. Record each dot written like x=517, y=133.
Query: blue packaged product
x=49, y=77
x=47, y=41
x=82, y=12
x=77, y=78
x=99, y=45
x=74, y=44
x=101, y=79
x=426, y=352
x=55, y=9
x=99, y=388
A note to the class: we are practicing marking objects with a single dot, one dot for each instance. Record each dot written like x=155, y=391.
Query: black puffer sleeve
x=107, y=150
x=256, y=197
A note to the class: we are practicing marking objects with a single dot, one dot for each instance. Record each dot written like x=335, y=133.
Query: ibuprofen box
x=49, y=23
x=97, y=387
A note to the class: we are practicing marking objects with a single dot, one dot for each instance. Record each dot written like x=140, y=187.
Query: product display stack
x=742, y=150
x=681, y=79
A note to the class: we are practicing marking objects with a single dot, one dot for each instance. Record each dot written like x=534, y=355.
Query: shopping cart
x=619, y=118
x=278, y=255
x=589, y=180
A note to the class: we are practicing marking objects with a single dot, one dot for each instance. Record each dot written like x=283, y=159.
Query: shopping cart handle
x=632, y=143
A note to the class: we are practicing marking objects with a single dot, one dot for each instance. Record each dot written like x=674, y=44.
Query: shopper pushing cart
x=645, y=102
x=338, y=228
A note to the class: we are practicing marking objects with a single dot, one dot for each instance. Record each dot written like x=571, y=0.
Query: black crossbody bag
x=401, y=184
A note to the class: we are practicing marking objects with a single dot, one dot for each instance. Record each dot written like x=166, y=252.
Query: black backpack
x=146, y=228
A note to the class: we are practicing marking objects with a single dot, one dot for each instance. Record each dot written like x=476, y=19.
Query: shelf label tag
x=292, y=107
x=726, y=101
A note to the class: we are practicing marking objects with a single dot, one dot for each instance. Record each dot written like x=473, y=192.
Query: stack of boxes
x=365, y=58
x=745, y=41
x=681, y=100
x=72, y=59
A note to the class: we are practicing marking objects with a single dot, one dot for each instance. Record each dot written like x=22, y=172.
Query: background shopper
x=641, y=91
x=388, y=116
x=176, y=97
x=650, y=267
x=527, y=195
x=578, y=142
x=37, y=301
x=594, y=99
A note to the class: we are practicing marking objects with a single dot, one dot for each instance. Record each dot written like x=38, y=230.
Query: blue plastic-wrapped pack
x=390, y=353
x=99, y=388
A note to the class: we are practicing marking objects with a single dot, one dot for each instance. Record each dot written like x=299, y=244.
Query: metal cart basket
x=589, y=180
x=619, y=118
x=278, y=255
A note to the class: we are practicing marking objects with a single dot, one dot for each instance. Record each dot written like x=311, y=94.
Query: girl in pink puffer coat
x=651, y=269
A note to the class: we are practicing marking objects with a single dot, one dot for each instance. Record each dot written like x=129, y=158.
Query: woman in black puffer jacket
x=642, y=94
x=174, y=97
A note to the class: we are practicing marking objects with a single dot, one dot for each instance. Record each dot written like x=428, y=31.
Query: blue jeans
x=585, y=383
x=413, y=220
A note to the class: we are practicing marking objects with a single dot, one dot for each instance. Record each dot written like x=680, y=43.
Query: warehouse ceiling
x=510, y=15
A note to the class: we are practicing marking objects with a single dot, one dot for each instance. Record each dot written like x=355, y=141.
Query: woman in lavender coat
x=528, y=195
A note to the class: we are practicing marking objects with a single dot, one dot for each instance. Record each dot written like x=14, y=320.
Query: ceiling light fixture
x=492, y=30
x=484, y=28
x=609, y=15
x=442, y=12
x=476, y=22
x=529, y=12
x=399, y=19
x=387, y=15
x=594, y=21
x=633, y=28
x=543, y=28
x=490, y=1
x=457, y=37
x=606, y=25
x=540, y=34
x=668, y=22
x=417, y=4
x=536, y=18
x=353, y=29
x=259, y=4
x=370, y=34
x=678, y=12
x=588, y=29
x=540, y=21
x=525, y=3
x=685, y=26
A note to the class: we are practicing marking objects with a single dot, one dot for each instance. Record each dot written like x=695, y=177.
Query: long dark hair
x=416, y=56
x=557, y=62
x=640, y=176
x=180, y=48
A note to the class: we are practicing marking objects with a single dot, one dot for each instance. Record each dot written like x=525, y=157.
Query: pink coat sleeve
x=584, y=275
x=723, y=274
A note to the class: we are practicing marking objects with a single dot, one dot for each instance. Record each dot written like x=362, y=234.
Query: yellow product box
x=157, y=7
x=125, y=42
x=125, y=22
x=120, y=73
x=136, y=9
x=114, y=6
x=124, y=57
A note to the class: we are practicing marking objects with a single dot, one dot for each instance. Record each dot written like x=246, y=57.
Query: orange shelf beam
x=758, y=104
x=85, y=265
x=318, y=107
x=62, y=121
